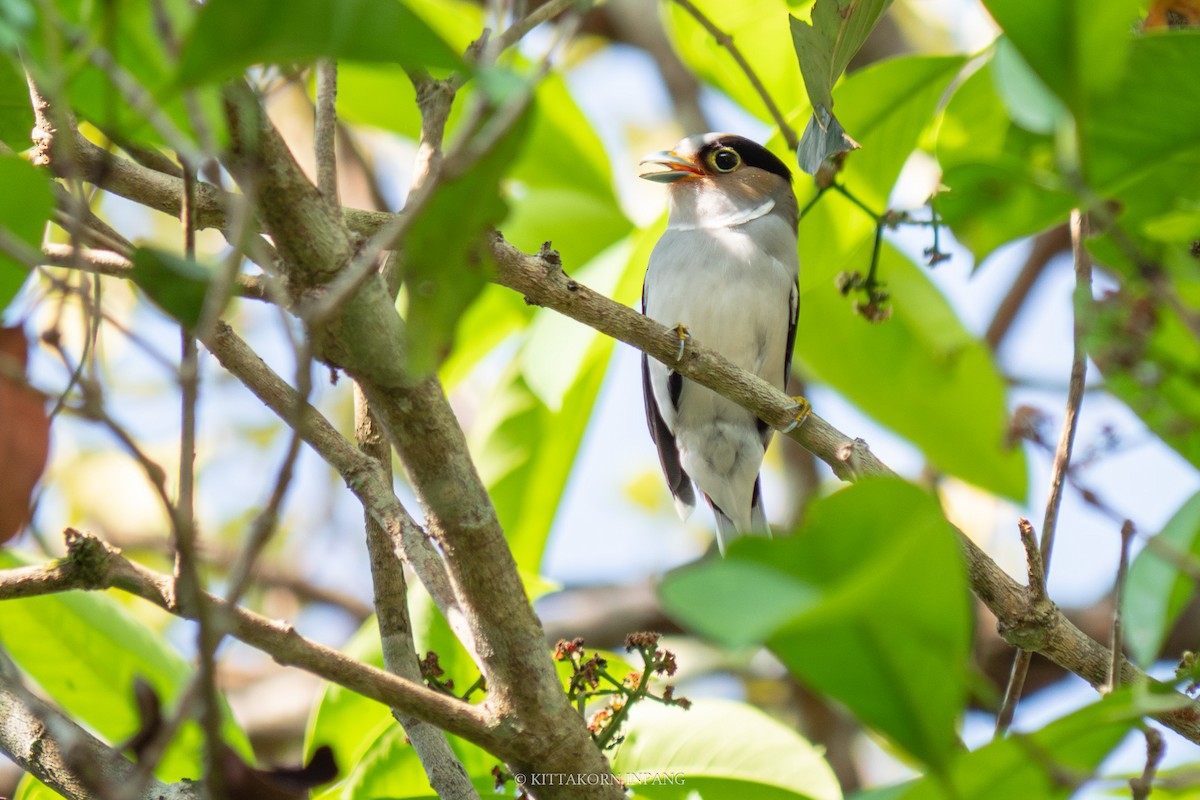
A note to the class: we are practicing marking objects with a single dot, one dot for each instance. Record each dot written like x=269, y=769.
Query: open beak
x=666, y=166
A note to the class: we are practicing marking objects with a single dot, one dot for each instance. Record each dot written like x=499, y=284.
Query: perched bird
x=726, y=272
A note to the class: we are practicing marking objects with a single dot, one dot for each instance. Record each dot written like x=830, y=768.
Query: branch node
x=550, y=257
x=88, y=557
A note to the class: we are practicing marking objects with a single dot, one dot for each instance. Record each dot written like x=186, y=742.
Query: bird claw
x=801, y=412
x=681, y=331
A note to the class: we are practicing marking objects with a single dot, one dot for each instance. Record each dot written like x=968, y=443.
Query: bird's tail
x=727, y=529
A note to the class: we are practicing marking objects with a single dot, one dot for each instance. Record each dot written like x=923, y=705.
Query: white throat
x=737, y=216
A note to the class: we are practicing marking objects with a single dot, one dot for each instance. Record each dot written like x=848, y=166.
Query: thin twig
x=726, y=41
x=546, y=11
x=1117, y=641
x=1062, y=455
x=1141, y=786
x=187, y=561
x=325, y=131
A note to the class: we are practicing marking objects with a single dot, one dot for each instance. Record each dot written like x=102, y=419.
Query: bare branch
x=362, y=474
x=1045, y=247
x=1117, y=641
x=106, y=262
x=546, y=11
x=1141, y=786
x=1062, y=455
x=446, y=774
x=325, y=131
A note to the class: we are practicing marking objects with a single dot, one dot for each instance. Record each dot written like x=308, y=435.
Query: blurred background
x=615, y=531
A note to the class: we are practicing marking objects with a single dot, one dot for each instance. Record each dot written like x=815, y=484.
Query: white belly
x=736, y=298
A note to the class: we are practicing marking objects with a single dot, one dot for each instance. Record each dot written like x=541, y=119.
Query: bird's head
x=719, y=179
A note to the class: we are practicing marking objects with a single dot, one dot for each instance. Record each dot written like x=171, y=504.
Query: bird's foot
x=800, y=413
x=681, y=331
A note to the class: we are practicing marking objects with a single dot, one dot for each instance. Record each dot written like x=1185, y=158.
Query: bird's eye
x=725, y=159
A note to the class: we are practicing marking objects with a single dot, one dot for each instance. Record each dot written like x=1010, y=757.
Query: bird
x=725, y=272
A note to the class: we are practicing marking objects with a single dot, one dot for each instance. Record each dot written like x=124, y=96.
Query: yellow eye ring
x=724, y=159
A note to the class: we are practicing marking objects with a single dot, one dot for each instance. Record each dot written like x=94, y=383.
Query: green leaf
x=25, y=206
x=16, y=113
x=921, y=365
x=720, y=750
x=1032, y=766
x=445, y=265
x=86, y=650
x=129, y=32
x=1157, y=589
x=759, y=31
x=895, y=657
x=1062, y=42
x=1028, y=102
x=1002, y=180
x=889, y=105
x=989, y=205
x=1151, y=117
x=176, y=285
x=823, y=138
x=231, y=35
x=826, y=45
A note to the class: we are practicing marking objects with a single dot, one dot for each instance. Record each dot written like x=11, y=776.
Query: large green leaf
x=1062, y=41
x=761, y=33
x=1001, y=177
x=1158, y=587
x=1151, y=116
x=1032, y=766
x=25, y=205
x=888, y=106
x=86, y=650
x=921, y=374
x=844, y=616
x=230, y=35
x=825, y=45
x=720, y=750
x=16, y=112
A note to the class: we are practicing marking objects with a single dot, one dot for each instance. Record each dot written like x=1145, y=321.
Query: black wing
x=678, y=481
x=794, y=299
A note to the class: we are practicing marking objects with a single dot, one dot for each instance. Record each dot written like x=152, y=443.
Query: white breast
x=731, y=287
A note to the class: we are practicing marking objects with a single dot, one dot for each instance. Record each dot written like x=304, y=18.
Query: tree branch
x=1062, y=454
x=91, y=565
x=446, y=774
x=1022, y=622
